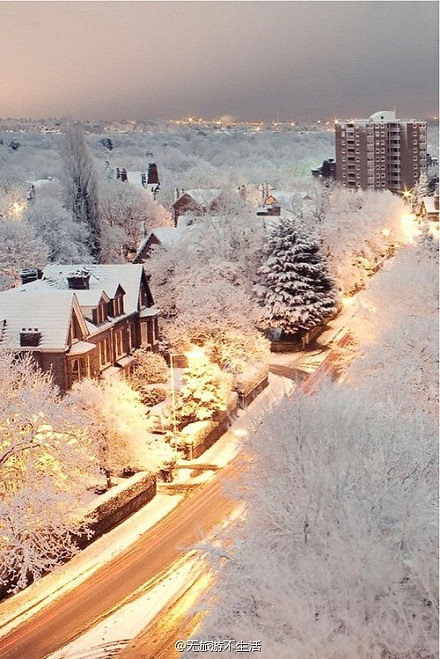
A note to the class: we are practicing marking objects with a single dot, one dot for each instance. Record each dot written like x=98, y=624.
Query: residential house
x=429, y=208
x=276, y=202
x=80, y=321
x=161, y=236
x=197, y=202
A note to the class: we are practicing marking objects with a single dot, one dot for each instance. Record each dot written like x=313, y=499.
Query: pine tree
x=419, y=191
x=81, y=186
x=295, y=289
x=205, y=390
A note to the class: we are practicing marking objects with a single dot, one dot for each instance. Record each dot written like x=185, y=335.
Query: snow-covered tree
x=20, y=248
x=66, y=240
x=127, y=213
x=357, y=230
x=117, y=423
x=204, y=389
x=419, y=191
x=37, y=533
x=81, y=186
x=337, y=554
x=45, y=460
x=295, y=289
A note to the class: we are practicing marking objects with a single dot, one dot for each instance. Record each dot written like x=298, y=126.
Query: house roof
x=166, y=236
x=286, y=199
x=203, y=197
x=48, y=311
x=430, y=205
x=102, y=278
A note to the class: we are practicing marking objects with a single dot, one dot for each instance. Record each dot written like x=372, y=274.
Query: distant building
x=381, y=152
x=278, y=201
x=429, y=207
x=198, y=202
x=80, y=321
x=327, y=171
x=160, y=236
x=148, y=180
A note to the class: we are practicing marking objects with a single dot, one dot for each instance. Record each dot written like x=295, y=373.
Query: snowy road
x=67, y=617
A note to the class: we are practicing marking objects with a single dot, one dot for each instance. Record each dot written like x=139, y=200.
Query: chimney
x=153, y=177
x=30, y=337
x=436, y=199
x=32, y=274
x=78, y=280
x=124, y=176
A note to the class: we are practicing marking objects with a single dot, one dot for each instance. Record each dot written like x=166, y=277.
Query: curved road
x=71, y=614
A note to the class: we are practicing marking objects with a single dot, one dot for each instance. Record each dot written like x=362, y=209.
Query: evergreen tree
x=419, y=191
x=205, y=390
x=81, y=186
x=295, y=289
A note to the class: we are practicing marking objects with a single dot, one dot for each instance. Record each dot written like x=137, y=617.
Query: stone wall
x=117, y=504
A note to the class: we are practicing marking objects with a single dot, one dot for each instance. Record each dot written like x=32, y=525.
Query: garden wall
x=197, y=437
x=300, y=343
x=251, y=383
x=117, y=504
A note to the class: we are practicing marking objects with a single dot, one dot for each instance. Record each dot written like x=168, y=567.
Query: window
x=118, y=306
x=80, y=368
x=99, y=315
x=130, y=337
x=144, y=335
x=119, y=343
x=104, y=353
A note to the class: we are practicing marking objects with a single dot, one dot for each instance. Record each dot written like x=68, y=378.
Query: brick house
x=161, y=237
x=81, y=321
x=198, y=202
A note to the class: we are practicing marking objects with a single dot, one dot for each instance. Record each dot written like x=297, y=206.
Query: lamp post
x=173, y=394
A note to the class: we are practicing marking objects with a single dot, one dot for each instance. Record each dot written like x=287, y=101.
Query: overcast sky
x=250, y=60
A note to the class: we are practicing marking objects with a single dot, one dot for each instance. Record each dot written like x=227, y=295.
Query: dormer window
x=99, y=315
x=118, y=305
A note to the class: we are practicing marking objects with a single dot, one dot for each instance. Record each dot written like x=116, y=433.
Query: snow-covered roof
x=41, y=182
x=102, y=278
x=384, y=115
x=429, y=204
x=91, y=298
x=47, y=311
x=166, y=236
x=204, y=197
x=288, y=199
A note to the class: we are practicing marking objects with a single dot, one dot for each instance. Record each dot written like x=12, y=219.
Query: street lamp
x=173, y=394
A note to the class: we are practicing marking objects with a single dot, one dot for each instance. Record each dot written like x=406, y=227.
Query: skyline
x=246, y=60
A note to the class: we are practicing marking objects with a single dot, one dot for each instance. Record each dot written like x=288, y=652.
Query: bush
x=149, y=368
x=153, y=395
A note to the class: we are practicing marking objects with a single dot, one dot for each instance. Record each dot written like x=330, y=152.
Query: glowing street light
x=195, y=353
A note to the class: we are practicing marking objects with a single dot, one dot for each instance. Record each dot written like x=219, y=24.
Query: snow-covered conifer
x=295, y=289
x=205, y=389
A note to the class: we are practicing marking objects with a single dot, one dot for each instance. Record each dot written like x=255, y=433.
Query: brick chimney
x=78, y=280
x=153, y=176
x=30, y=337
x=32, y=274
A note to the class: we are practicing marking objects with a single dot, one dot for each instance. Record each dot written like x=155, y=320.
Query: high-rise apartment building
x=381, y=152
